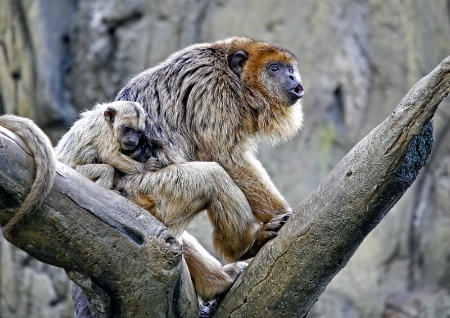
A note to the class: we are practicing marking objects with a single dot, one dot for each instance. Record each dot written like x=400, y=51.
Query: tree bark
x=131, y=259
x=127, y=261
x=288, y=275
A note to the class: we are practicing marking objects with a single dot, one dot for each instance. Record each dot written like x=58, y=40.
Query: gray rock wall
x=29, y=288
x=357, y=59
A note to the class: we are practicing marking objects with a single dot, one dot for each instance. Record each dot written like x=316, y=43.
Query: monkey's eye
x=274, y=67
x=127, y=130
x=291, y=70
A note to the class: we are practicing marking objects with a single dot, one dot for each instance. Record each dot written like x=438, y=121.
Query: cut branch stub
x=288, y=275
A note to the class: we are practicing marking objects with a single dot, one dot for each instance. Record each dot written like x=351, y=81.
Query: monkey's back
x=193, y=101
x=197, y=103
x=75, y=148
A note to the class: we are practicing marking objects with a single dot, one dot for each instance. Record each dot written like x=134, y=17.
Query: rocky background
x=357, y=58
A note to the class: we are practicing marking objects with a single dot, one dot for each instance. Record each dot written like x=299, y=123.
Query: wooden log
x=98, y=236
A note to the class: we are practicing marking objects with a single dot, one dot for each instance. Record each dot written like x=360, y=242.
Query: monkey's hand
x=267, y=232
x=153, y=164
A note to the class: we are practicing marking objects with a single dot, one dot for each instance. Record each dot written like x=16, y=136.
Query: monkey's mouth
x=298, y=90
x=129, y=146
x=295, y=93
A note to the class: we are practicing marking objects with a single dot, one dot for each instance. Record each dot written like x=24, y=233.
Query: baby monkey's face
x=129, y=137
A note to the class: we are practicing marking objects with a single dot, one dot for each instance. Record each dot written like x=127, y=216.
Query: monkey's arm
x=264, y=198
x=125, y=164
x=102, y=174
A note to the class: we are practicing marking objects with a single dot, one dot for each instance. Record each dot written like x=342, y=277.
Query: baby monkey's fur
x=95, y=143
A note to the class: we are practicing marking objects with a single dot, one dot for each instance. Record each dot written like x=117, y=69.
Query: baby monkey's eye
x=291, y=70
x=127, y=129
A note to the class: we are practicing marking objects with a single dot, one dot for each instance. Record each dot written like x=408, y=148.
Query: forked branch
x=288, y=275
x=123, y=253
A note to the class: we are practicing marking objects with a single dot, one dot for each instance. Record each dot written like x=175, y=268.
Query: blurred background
x=358, y=58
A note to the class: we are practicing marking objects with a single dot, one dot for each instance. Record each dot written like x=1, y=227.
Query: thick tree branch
x=130, y=264
x=100, y=238
x=288, y=275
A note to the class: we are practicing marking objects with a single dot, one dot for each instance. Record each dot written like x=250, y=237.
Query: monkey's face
x=129, y=137
x=128, y=121
x=283, y=82
x=271, y=70
x=272, y=87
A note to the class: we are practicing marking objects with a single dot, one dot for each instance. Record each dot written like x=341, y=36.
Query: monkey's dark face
x=283, y=82
x=271, y=70
x=129, y=137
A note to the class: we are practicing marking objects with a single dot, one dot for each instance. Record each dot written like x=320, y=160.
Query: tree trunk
x=130, y=265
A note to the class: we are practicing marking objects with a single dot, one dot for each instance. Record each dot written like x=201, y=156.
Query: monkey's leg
x=183, y=190
x=210, y=279
x=267, y=203
x=124, y=163
x=102, y=174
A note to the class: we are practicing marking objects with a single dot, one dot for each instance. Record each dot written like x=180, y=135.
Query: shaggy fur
x=93, y=146
x=210, y=102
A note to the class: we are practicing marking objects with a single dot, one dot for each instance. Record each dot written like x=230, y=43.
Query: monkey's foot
x=267, y=232
x=220, y=285
x=215, y=282
x=234, y=269
x=270, y=215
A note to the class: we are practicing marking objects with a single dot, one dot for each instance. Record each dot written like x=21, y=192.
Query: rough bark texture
x=293, y=270
x=102, y=240
x=357, y=58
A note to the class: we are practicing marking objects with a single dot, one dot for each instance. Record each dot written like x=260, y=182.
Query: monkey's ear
x=110, y=114
x=238, y=61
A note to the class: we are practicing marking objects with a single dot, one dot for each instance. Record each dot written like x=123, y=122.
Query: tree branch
x=288, y=275
x=129, y=264
x=100, y=238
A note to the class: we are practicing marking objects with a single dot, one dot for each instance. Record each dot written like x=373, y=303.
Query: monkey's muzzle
x=298, y=90
x=295, y=93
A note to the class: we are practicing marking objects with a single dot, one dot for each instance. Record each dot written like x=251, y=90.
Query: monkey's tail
x=45, y=167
